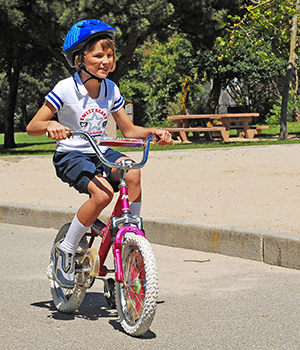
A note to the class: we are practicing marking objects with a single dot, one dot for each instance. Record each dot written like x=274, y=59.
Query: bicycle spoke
x=135, y=284
x=137, y=302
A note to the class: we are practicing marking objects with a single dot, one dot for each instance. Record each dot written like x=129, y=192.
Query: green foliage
x=155, y=77
x=273, y=117
x=203, y=21
x=243, y=44
x=36, y=31
x=253, y=53
x=261, y=23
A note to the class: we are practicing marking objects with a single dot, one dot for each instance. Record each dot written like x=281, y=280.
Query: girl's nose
x=105, y=59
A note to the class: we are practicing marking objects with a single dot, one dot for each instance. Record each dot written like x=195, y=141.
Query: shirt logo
x=93, y=121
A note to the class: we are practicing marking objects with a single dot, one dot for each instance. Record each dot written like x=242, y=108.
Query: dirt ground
x=257, y=186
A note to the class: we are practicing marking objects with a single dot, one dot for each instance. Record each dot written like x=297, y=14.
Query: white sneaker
x=63, y=267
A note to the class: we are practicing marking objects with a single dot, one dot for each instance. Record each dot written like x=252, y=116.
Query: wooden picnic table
x=202, y=123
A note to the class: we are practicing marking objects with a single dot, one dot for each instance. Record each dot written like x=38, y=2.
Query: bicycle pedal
x=88, y=283
x=94, y=260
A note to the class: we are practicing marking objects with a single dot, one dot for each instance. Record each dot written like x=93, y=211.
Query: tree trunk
x=290, y=74
x=25, y=119
x=13, y=78
x=214, y=96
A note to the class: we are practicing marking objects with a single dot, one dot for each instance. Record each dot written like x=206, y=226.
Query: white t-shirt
x=78, y=111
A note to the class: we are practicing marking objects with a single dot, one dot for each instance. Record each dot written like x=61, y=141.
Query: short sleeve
x=55, y=97
x=118, y=100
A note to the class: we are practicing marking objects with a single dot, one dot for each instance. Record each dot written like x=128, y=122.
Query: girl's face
x=98, y=61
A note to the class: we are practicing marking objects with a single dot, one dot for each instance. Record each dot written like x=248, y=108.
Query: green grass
x=27, y=145
x=42, y=145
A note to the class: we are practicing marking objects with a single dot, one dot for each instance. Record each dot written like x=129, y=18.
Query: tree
x=36, y=30
x=162, y=78
x=203, y=22
x=136, y=20
x=253, y=80
x=267, y=26
x=24, y=30
x=291, y=73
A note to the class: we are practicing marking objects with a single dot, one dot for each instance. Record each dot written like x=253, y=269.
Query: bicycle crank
x=91, y=266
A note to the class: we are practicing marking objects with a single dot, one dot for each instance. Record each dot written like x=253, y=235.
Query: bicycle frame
x=112, y=235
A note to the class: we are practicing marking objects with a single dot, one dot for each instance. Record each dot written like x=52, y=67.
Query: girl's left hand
x=165, y=137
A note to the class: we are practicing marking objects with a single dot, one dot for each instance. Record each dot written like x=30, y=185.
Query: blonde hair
x=89, y=47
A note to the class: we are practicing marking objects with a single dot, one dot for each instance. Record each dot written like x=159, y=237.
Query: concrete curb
x=271, y=247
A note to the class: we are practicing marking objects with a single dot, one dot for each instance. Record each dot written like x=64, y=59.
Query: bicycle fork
x=117, y=249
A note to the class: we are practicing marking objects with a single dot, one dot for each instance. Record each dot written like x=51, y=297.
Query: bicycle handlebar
x=114, y=142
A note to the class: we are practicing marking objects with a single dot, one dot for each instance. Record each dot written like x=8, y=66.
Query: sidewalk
x=241, y=201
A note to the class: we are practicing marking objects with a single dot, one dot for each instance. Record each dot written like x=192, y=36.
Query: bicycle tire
x=136, y=301
x=66, y=300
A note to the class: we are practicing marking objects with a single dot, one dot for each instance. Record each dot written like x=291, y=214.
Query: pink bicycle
x=134, y=290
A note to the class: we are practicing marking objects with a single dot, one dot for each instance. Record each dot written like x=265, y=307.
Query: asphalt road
x=206, y=301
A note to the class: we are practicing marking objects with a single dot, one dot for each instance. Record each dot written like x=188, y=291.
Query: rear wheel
x=136, y=301
x=67, y=300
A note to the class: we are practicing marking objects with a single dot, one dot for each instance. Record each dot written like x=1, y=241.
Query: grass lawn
x=27, y=145
x=42, y=145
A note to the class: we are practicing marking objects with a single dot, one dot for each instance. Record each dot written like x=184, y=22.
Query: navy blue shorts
x=78, y=169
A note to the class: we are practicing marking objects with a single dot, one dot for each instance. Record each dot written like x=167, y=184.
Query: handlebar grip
x=155, y=139
x=68, y=132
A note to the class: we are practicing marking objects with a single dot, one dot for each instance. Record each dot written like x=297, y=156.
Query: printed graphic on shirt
x=93, y=121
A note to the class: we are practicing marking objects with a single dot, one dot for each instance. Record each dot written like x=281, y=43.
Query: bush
x=273, y=117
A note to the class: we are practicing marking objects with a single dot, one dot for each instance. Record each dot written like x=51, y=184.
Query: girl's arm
x=41, y=123
x=130, y=130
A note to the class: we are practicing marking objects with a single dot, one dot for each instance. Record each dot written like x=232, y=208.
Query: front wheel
x=67, y=300
x=136, y=300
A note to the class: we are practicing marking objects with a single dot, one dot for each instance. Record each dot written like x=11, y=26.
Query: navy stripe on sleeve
x=58, y=103
x=118, y=104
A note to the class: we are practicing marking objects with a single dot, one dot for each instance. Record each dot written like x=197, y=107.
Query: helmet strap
x=92, y=76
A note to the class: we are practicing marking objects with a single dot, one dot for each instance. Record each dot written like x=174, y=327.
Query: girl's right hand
x=57, y=131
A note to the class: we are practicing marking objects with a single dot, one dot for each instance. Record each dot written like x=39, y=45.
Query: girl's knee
x=102, y=198
x=101, y=193
x=133, y=177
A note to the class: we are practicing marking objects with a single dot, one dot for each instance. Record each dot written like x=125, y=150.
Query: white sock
x=135, y=208
x=75, y=233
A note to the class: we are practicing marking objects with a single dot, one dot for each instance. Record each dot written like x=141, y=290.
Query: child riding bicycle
x=84, y=101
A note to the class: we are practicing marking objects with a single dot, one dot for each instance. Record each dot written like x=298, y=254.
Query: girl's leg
x=101, y=195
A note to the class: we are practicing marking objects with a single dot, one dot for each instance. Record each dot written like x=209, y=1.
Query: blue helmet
x=82, y=32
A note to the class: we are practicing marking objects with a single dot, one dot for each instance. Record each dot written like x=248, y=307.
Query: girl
x=85, y=101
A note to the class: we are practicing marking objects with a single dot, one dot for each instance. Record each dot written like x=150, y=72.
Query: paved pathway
x=224, y=303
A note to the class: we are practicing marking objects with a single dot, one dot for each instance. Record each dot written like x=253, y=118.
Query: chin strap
x=92, y=76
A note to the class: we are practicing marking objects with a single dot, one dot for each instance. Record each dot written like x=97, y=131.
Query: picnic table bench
x=202, y=123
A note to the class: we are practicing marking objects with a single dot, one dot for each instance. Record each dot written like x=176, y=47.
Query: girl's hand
x=165, y=137
x=57, y=131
